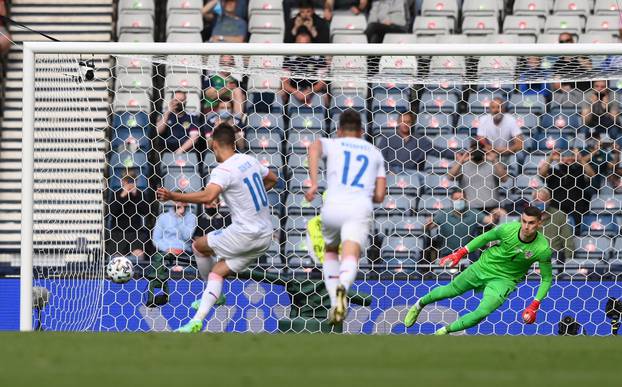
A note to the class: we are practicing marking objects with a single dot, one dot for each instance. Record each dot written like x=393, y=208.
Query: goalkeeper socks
x=204, y=264
x=210, y=296
x=331, y=275
x=348, y=270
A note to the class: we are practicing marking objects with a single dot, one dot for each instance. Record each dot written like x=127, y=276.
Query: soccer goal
x=105, y=124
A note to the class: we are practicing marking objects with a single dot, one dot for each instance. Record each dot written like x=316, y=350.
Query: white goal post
x=87, y=49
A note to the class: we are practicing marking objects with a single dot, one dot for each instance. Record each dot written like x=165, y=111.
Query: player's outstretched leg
x=461, y=284
x=330, y=271
x=347, y=274
x=495, y=295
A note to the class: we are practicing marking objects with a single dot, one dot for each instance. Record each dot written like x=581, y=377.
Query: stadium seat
x=136, y=6
x=449, y=66
x=184, y=6
x=438, y=166
x=341, y=102
x=496, y=66
x=596, y=225
x=548, y=38
x=568, y=123
x=428, y=123
x=503, y=39
x=130, y=130
x=402, y=247
x=263, y=141
x=272, y=160
x=538, y=8
x=593, y=248
x=390, y=104
x=349, y=64
x=186, y=82
x=297, y=224
x=527, y=27
x=443, y=8
x=456, y=143
x=611, y=205
x=135, y=37
x=184, y=37
x=296, y=204
x=123, y=162
x=185, y=162
x=193, y=101
x=528, y=103
x=299, y=162
x=312, y=121
x=266, y=24
x=351, y=38
x=184, y=64
x=395, y=38
x=597, y=38
x=557, y=24
x=405, y=226
x=266, y=122
x=184, y=182
x=384, y=122
x=348, y=24
x=135, y=23
x=403, y=183
x=606, y=7
x=440, y=100
x=480, y=8
x=298, y=141
x=132, y=101
x=271, y=7
x=264, y=101
x=603, y=24
x=531, y=164
x=395, y=205
x=128, y=82
x=432, y=25
x=479, y=101
x=300, y=181
x=184, y=22
x=265, y=38
x=348, y=86
x=468, y=123
x=438, y=185
x=398, y=65
x=429, y=204
x=572, y=8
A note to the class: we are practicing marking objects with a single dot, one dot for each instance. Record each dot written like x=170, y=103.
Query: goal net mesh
x=550, y=137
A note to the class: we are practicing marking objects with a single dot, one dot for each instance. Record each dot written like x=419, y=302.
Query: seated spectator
x=222, y=86
x=229, y=27
x=5, y=35
x=603, y=158
x=531, y=71
x=211, y=219
x=324, y=5
x=567, y=175
x=555, y=226
x=479, y=172
x=500, y=130
x=570, y=64
x=386, y=16
x=404, y=151
x=224, y=113
x=211, y=11
x=129, y=210
x=566, y=96
x=303, y=89
x=179, y=129
x=307, y=18
x=599, y=111
x=172, y=237
x=356, y=7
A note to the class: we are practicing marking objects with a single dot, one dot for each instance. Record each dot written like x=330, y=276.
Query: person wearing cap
x=568, y=176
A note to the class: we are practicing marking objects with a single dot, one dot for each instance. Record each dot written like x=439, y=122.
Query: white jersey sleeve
x=221, y=176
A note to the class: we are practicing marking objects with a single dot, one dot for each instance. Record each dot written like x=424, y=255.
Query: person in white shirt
x=243, y=182
x=500, y=130
x=356, y=177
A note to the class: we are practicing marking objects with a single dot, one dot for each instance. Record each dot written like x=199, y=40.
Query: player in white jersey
x=356, y=177
x=242, y=181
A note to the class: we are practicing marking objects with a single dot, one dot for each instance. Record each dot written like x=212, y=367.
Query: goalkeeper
x=497, y=272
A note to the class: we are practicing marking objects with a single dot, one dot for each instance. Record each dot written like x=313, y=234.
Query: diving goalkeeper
x=497, y=272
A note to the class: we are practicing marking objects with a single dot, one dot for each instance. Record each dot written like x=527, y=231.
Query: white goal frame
x=31, y=49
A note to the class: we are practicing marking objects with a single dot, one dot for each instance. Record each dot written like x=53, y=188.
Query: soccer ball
x=119, y=270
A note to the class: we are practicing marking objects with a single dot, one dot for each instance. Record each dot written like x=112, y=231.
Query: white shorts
x=339, y=225
x=237, y=248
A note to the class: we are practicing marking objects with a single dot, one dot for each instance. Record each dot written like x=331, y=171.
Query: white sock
x=349, y=268
x=331, y=275
x=212, y=291
x=204, y=264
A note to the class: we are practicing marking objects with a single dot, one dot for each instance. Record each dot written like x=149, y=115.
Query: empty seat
x=136, y=37
x=605, y=24
x=593, y=247
x=480, y=25
x=348, y=24
x=351, y=38
x=402, y=247
x=440, y=100
x=438, y=184
x=433, y=122
x=403, y=183
x=132, y=101
x=538, y=8
x=265, y=38
x=398, y=65
x=184, y=64
x=572, y=8
x=404, y=225
x=299, y=140
x=300, y=181
x=185, y=161
x=130, y=130
x=557, y=24
x=392, y=38
x=270, y=7
x=432, y=203
x=503, y=39
x=183, y=6
x=480, y=8
x=123, y=162
x=296, y=204
x=184, y=22
x=135, y=23
x=523, y=25
x=597, y=38
x=136, y=6
x=133, y=81
x=349, y=64
x=606, y=7
x=448, y=65
x=548, y=38
x=446, y=8
x=263, y=141
x=432, y=25
x=186, y=82
x=600, y=224
x=266, y=24
x=497, y=65
x=297, y=223
x=395, y=204
x=266, y=122
x=184, y=37
x=528, y=103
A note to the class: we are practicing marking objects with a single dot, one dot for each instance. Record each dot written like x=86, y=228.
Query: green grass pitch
x=219, y=360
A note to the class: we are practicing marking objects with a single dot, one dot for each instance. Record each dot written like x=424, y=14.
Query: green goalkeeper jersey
x=512, y=258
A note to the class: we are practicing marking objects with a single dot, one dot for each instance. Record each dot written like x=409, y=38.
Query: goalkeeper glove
x=529, y=315
x=454, y=257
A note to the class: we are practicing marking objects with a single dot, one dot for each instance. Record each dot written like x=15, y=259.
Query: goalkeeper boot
x=220, y=301
x=341, y=307
x=441, y=332
x=193, y=326
x=412, y=315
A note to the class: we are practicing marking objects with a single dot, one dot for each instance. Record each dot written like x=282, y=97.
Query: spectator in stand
x=499, y=130
x=565, y=65
x=130, y=211
x=387, y=16
x=531, y=71
x=303, y=89
x=5, y=36
x=555, y=226
x=456, y=226
x=224, y=113
x=172, y=237
x=407, y=152
x=318, y=27
x=324, y=5
x=603, y=156
x=179, y=129
x=354, y=6
x=222, y=86
x=599, y=111
x=479, y=172
x=229, y=27
x=567, y=175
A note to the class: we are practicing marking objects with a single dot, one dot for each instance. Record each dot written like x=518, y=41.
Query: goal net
x=471, y=136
